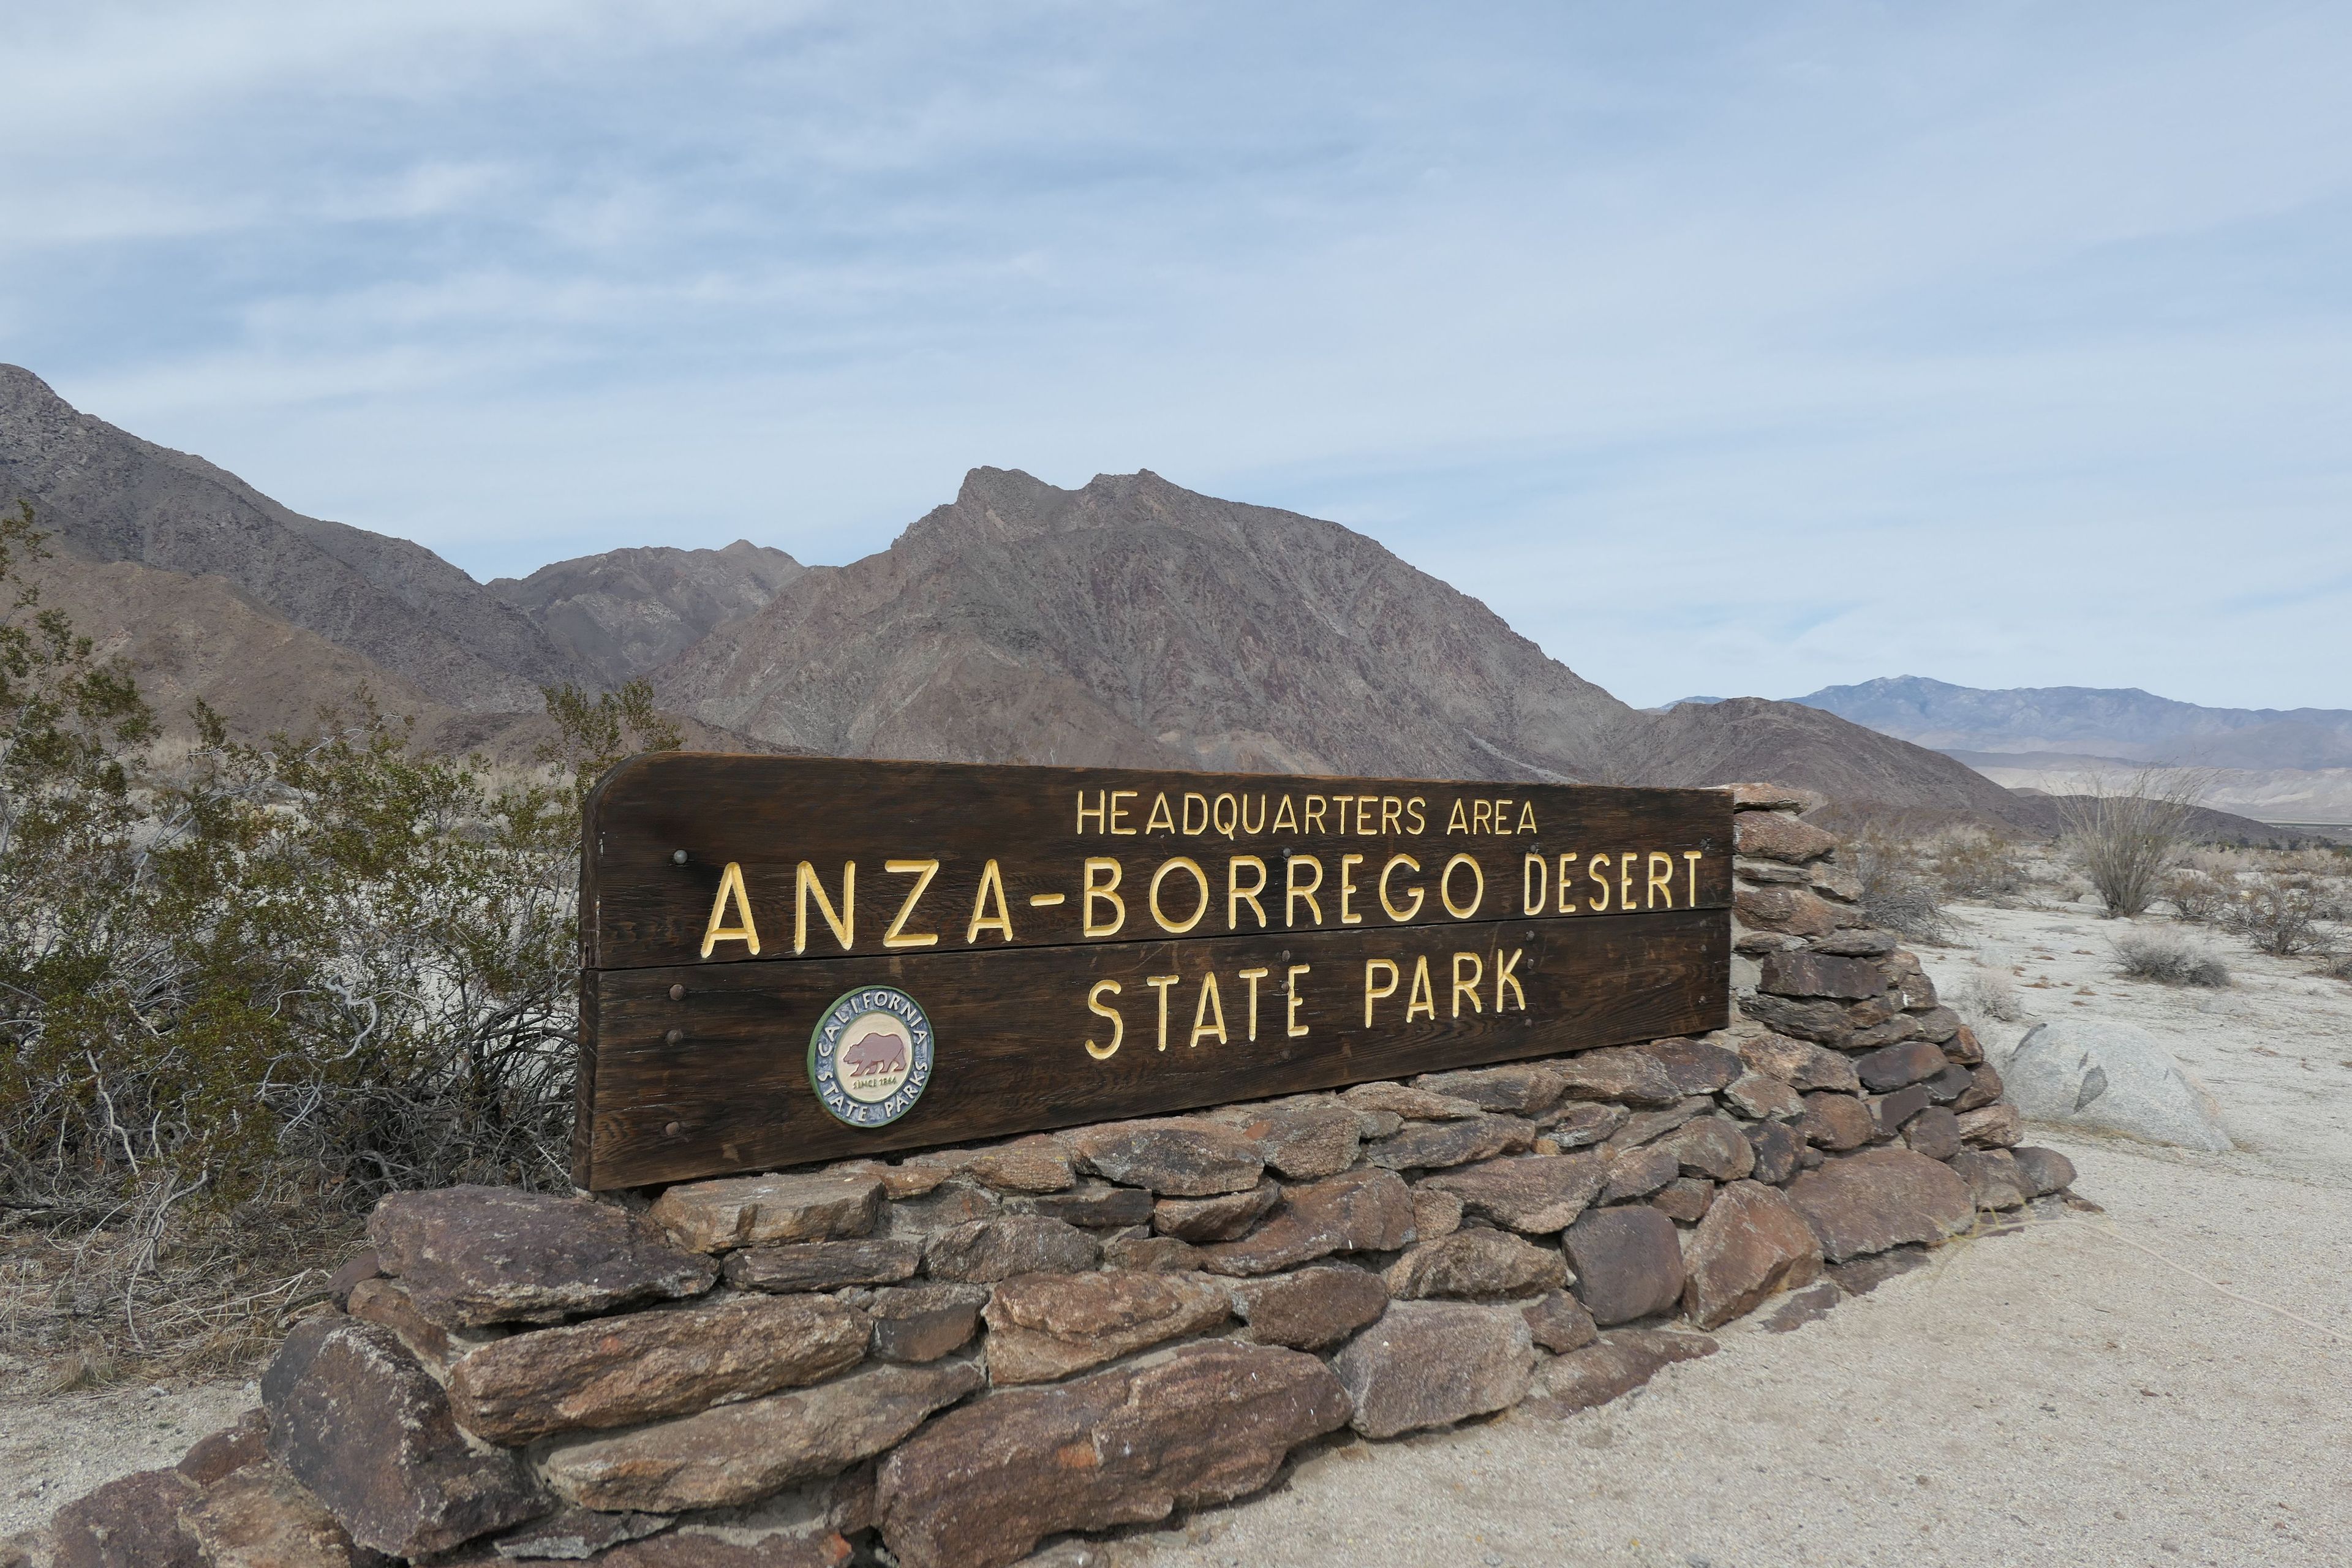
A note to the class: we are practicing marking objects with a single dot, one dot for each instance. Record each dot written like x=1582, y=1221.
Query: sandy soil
x=2167, y=1382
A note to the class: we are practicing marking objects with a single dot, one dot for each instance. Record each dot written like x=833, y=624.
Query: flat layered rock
x=1523, y=1089
x=1304, y=1140
x=1752, y=1244
x=1537, y=1194
x=1610, y=1369
x=1639, y=1171
x=1433, y=1364
x=133, y=1522
x=1824, y=1022
x=262, y=1518
x=1043, y=1327
x=1434, y=1145
x=1204, y=1422
x=1684, y=1199
x=1582, y=1123
x=1890, y=1113
x=1363, y=1211
x=738, y=1454
x=918, y=1323
x=1696, y=1066
x=572, y=1533
x=1713, y=1147
x=1095, y=1205
x=1479, y=1264
x=228, y=1450
x=1819, y=974
x=1948, y=1085
x=1628, y=1263
x=1760, y=1097
x=1934, y=1133
x=955, y=1201
x=1178, y=1156
x=1221, y=1218
x=1412, y=1104
x=1788, y=912
x=354, y=1419
x=1879, y=1199
x=1836, y=1121
x=823, y=1265
x=1559, y=1322
x=1994, y=1127
x=615, y=1371
x=1649, y=1126
x=1993, y=1178
x=984, y=1251
x=1435, y=1212
x=1037, y=1164
x=1985, y=1088
x=468, y=1255
x=747, y=1211
x=1801, y=1064
x=1311, y=1308
x=1776, y=835
x=1896, y=1067
x=1619, y=1073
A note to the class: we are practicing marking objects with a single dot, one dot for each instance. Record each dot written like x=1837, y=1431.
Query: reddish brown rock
x=572, y=1533
x=1779, y=1146
x=913, y=1179
x=1940, y=1025
x=1889, y=1113
x=1711, y=1146
x=1478, y=1264
x=135, y=1522
x=1412, y=1104
x=1895, y=1031
x=1985, y=1088
x=1801, y=1064
x=1206, y=1423
x=1639, y=1173
x=1591, y=1376
x=261, y=1518
x=823, y=1265
x=746, y=1211
x=1619, y=1073
x=1435, y=1213
x=1304, y=1139
x=738, y=1454
x=353, y=1417
x=1310, y=1309
x=1994, y=1181
x=1752, y=1243
x=1695, y=1066
x=1836, y=1121
x=1789, y=912
x=1754, y=796
x=1221, y=1218
x=1881, y=1198
x=983, y=1251
x=1827, y=1023
x=1896, y=1067
x=1934, y=1133
x=1760, y=1097
x=1628, y=1263
x=1994, y=1127
x=387, y=1302
x=1818, y=974
x=1685, y=1199
x=2042, y=1170
x=614, y=1372
x=1537, y=1194
x=1855, y=943
x=1177, y=1156
x=1559, y=1322
x=1038, y=1164
x=485, y=1255
x=228, y=1450
x=1581, y=1123
x=1948, y=1085
x=362, y=1264
x=1153, y=1254
x=1431, y=1364
x=1963, y=1048
x=1437, y=1145
x=1363, y=1211
x=956, y=1200
x=919, y=1323
x=1776, y=835
x=1094, y=1205
x=1043, y=1327
x=1523, y=1089
x=1649, y=1126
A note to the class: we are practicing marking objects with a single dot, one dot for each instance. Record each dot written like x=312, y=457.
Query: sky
x=1721, y=349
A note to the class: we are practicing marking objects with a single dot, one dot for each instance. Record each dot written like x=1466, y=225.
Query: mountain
x=104, y=495
x=621, y=613
x=2129, y=725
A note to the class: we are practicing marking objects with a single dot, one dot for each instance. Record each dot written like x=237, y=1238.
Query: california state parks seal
x=869, y=1057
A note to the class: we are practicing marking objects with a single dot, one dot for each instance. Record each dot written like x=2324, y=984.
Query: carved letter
x=1160, y=815
x=1420, y=1002
x=1098, y=814
x=1291, y=1026
x=1117, y=811
x=1459, y=821
x=1373, y=993
x=1191, y=868
x=1661, y=879
x=1118, y=1024
x=1253, y=976
x=1593, y=869
x=1625, y=869
x=1161, y=982
x=1535, y=881
x=1692, y=857
x=1284, y=817
x=1236, y=895
x=1526, y=818
x=844, y=927
x=1478, y=889
x=922, y=871
x=1292, y=889
x=1392, y=812
x=1348, y=917
x=1314, y=808
x=1209, y=1013
x=1420, y=824
x=1191, y=796
x=1411, y=909
x=990, y=881
x=1102, y=891
x=1566, y=903
x=716, y=930
x=1468, y=987
x=1503, y=976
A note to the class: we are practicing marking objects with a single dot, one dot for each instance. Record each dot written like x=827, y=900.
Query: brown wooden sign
x=787, y=960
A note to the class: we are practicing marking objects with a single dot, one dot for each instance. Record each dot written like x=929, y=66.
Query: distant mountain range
x=1128, y=622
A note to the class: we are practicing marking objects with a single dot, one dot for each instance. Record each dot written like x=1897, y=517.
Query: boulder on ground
x=1628, y=1263
x=1431, y=1364
x=1559, y=1322
x=1881, y=1198
x=2115, y=1076
x=472, y=1255
x=2044, y=1170
x=1752, y=1243
x=1994, y=1181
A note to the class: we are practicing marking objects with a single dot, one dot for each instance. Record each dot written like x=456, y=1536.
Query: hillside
x=622, y=613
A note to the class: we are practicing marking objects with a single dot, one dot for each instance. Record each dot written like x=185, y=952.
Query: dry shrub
x=2280, y=915
x=1970, y=865
x=2197, y=897
x=1987, y=993
x=2169, y=959
x=2128, y=833
x=1898, y=893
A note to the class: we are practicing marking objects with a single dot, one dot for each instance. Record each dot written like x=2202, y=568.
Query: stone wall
x=967, y=1352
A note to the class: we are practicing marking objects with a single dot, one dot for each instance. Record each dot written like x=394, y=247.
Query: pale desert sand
x=2063, y=1394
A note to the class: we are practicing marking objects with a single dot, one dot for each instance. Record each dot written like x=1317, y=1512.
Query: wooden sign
x=787, y=960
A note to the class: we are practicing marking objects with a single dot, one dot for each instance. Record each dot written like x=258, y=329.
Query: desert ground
x=2169, y=1381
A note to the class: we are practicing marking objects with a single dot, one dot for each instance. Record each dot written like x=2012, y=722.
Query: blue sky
x=1719, y=348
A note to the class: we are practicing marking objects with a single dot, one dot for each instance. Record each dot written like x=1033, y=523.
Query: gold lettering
x=1374, y=992
x=1186, y=864
x=1098, y=814
x=1210, y=1006
x=844, y=927
x=1253, y=976
x=1284, y=818
x=1314, y=808
x=1411, y=909
x=1160, y=815
x=1118, y=1024
x=1420, y=1002
x=1566, y=902
x=1459, y=822
x=922, y=871
x=1347, y=863
x=1692, y=857
x=1626, y=861
x=1391, y=809
x=1503, y=976
x=1226, y=814
x=1481, y=815
x=715, y=931
x=1468, y=987
x=1526, y=818
x=1477, y=889
x=1593, y=869
x=1236, y=895
x=1661, y=879
x=1535, y=881
x=1190, y=798
x=1364, y=803
x=1502, y=810
x=1420, y=824
x=1046, y=900
x=990, y=881
x=1293, y=890
x=1291, y=1026
x=1103, y=891
x=1161, y=982
x=1259, y=826
x=1117, y=811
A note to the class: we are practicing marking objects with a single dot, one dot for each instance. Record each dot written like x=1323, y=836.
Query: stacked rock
x=970, y=1350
